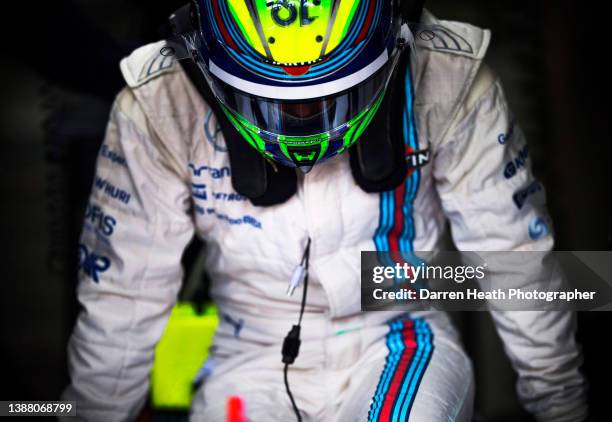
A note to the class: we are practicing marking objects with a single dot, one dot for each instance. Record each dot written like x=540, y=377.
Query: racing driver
x=290, y=135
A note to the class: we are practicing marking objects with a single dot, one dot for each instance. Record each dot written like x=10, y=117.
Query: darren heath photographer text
x=459, y=274
x=475, y=294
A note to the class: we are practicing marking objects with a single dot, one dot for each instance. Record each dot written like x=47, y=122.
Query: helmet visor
x=327, y=115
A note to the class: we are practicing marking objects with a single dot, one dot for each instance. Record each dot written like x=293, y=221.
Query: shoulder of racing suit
x=161, y=101
x=159, y=83
x=447, y=73
x=454, y=38
x=147, y=63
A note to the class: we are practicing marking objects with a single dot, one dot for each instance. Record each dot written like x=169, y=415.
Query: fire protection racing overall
x=163, y=173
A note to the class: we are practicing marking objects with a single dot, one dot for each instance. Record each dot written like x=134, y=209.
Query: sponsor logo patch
x=512, y=167
x=502, y=138
x=245, y=219
x=111, y=190
x=236, y=324
x=112, y=156
x=92, y=264
x=198, y=190
x=100, y=222
x=230, y=197
x=417, y=159
x=212, y=133
x=538, y=228
x=215, y=173
x=520, y=196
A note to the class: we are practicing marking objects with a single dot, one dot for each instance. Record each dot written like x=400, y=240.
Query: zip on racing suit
x=163, y=173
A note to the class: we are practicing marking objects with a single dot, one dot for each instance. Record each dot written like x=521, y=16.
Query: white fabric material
x=171, y=179
x=335, y=376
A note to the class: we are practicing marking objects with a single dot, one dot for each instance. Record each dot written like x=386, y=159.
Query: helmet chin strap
x=378, y=158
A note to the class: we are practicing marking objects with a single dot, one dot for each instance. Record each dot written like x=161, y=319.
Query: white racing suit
x=163, y=173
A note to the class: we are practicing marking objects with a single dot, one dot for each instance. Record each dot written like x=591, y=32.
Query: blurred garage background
x=57, y=90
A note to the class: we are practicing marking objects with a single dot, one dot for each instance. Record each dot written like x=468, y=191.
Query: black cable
x=291, y=344
x=295, y=408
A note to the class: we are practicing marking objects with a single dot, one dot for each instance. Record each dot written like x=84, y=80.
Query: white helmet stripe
x=300, y=92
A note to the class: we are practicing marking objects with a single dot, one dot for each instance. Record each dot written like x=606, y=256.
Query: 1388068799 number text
x=37, y=408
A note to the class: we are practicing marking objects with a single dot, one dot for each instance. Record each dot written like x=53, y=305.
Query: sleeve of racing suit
x=479, y=168
x=135, y=230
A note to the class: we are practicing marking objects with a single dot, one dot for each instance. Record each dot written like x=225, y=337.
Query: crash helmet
x=300, y=80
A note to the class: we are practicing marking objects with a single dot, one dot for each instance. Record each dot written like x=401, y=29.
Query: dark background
x=59, y=73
